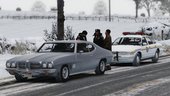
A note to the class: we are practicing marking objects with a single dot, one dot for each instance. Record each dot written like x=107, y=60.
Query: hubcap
x=65, y=73
x=102, y=66
x=137, y=60
x=156, y=55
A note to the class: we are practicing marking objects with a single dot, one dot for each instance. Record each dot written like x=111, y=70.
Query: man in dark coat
x=108, y=40
x=98, y=38
x=82, y=36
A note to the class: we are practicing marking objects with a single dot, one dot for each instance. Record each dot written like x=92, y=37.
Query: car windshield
x=127, y=41
x=57, y=47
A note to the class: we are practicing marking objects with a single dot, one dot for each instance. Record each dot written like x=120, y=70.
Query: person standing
x=82, y=36
x=108, y=40
x=98, y=38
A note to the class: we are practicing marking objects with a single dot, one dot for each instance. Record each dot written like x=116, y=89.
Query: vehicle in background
x=133, y=47
x=158, y=31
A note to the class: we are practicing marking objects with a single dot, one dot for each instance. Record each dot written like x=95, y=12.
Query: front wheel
x=20, y=78
x=137, y=60
x=101, y=68
x=156, y=57
x=64, y=74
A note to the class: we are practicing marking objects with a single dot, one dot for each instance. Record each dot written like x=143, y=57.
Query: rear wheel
x=20, y=78
x=137, y=60
x=156, y=57
x=101, y=68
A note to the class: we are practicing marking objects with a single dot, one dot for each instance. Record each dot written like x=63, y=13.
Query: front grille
x=35, y=66
x=22, y=65
x=25, y=65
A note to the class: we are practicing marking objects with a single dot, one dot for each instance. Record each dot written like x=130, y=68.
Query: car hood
x=125, y=48
x=47, y=57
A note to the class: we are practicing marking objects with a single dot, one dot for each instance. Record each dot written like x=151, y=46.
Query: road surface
x=149, y=79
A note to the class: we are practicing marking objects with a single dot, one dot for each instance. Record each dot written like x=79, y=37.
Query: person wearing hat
x=82, y=36
x=108, y=40
x=98, y=38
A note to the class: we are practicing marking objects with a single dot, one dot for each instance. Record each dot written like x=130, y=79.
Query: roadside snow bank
x=165, y=46
x=3, y=59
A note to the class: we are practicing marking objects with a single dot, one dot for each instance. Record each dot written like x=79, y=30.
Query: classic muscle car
x=60, y=59
x=132, y=48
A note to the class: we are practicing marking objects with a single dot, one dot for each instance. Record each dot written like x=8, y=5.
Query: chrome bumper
x=123, y=58
x=33, y=73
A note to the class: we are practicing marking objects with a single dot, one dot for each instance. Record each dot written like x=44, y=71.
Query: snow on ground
x=3, y=59
x=33, y=30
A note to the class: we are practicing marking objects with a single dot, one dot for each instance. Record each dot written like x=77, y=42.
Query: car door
x=84, y=56
x=145, y=49
x=152, y=48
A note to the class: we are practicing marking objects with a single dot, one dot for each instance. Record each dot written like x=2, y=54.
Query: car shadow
x=53, y=80
x=143, y=63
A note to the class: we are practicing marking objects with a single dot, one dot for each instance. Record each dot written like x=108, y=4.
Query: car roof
x=68, y=41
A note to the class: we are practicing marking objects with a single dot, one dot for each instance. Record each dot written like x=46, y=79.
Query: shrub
x=52, y=36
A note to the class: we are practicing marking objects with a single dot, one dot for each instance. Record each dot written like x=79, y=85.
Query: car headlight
x=8, y=65
x=50, y=65
x=44, y=65
x=13, y=65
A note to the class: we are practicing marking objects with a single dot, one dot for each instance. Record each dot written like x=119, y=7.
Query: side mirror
x=89, y=46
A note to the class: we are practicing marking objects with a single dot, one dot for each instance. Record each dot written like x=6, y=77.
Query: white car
x=134, y=48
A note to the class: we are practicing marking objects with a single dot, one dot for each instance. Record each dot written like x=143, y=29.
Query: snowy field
x=33, y=30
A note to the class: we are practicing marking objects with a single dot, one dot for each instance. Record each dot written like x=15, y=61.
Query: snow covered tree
x=164, y=5
x=148, y=5
x=53, y=35
x=157, y=10
x=100, y=8
x=69, y=33
x=38, y=6
x=137, y=3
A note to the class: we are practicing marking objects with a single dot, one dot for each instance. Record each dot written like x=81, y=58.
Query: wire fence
x=50, y=15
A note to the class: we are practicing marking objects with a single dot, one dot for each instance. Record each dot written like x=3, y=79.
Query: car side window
x=117, y=41
x=144, y=42
x=90, y=47
x=84, y=47
x=149, y=40
x=46, y=48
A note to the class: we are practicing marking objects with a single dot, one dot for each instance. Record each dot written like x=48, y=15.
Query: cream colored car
x=135, y=48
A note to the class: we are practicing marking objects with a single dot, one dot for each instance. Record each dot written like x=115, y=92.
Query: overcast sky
x=122, y=7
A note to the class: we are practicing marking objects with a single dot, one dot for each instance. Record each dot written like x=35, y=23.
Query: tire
x=101, y=68
x=20, y=78
x=64, y=74
x=137, y=60
x=156, y=57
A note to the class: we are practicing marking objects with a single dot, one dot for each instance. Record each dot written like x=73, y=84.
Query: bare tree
x=60, y=19
x=38, y=6
x=100, y=8
x=148, y=5
x=164, y=5
x=137, y=3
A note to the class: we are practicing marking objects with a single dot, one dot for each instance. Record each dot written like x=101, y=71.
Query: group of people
x=98, y=38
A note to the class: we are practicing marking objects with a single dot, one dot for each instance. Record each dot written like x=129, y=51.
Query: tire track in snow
x=24, y=87
x=136, y=89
